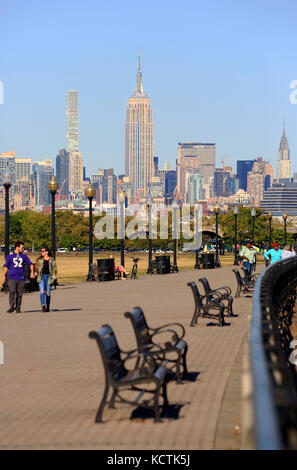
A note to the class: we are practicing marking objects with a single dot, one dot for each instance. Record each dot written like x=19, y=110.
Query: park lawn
x=73, y=267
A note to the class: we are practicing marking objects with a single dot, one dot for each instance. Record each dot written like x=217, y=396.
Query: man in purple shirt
x=15, y=265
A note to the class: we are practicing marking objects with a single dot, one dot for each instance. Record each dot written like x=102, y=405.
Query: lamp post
x=253, y=214
x=53, y=186
x=196, y=215
x=285, y=227
x=235, y=211
x=90, y=194
x=122, y=198
x=149, y=208
x=217, y=211
x=270, y=222
x=6, y=184
x=174, y=233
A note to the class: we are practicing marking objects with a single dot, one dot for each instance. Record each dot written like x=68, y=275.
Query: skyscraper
x=76, y=174
x=194, y=156
x=139, y=139
x=72, y=121
x=23, y=169
x=62, y=172
x=283, y=162
x=243, y=167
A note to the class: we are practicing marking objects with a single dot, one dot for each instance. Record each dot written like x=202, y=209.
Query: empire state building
x=139, y=139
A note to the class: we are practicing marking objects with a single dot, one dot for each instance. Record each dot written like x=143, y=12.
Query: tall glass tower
x=72, y=121
x=139, y=140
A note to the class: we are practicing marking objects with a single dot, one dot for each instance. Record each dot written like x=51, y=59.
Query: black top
x=45, y=269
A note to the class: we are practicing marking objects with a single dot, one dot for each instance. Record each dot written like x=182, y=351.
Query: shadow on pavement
x=171, y=412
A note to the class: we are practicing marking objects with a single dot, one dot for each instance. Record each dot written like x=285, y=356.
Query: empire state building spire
x=139, y=86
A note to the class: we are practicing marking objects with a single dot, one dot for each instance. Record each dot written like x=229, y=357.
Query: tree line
x=72, y=230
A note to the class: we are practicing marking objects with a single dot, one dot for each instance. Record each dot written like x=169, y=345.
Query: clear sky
x=215, y=71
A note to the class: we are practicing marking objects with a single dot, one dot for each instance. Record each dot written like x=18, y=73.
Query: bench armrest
x=178, y=335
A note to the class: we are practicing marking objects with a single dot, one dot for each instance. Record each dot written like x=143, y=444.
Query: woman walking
x=46, y=268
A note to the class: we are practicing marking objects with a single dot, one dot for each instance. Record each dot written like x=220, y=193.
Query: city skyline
x=235, y=99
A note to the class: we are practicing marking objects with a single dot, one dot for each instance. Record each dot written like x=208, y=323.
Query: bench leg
x=164, y=394
x=114, y=394
x=230, y=307
x=102, y=405
x=185, y=369
x=221, y=317
x=156, y=405
x=195, y=317
x=178, y=375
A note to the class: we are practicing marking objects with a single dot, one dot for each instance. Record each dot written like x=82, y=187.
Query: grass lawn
x=73, y=267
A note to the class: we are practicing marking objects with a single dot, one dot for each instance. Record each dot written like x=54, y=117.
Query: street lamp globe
x=90, y=191
x=53, y=184
x=122, y=196
x=216, y=209
x=285, y=216
x=235, y=210
x=269, y=215
x=253, y=212
x=6, y=178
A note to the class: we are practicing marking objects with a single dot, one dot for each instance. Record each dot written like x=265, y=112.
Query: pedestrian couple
x=276, y=254
x=45, y=270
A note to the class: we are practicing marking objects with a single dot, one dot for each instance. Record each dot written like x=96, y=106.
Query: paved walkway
x=52, y=380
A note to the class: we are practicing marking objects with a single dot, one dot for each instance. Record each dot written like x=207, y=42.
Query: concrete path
x=52, y=380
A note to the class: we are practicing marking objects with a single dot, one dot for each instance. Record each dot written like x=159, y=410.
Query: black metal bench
x=119, y=378
x=146, y=341
x=206, y=306
x=224, y=293
x=245, y=283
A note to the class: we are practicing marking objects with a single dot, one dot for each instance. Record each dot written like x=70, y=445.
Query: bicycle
x=134, y=268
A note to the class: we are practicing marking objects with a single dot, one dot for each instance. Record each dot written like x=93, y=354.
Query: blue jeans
x=45, y=288
x=248, y=267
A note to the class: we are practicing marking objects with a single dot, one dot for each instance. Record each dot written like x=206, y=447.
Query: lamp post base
x=90, y=277
x=174, y=268
x=217, y=264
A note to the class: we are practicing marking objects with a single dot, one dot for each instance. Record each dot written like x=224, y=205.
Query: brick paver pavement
x=52, y=380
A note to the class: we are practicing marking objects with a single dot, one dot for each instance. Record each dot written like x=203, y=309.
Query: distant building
x=195, y=188
x=105, y=185
x=72, y=137
x=139, y=140
x=156, y=166
x=62, y=173
x=280, y=199
x=242, y=198
x=42, y=173
x=76, y=175
x=284, y=163
x=156, y=188
x=243, y=168
x=25, y=197
x=23, y=169
x=194, y=156
x=259, y=179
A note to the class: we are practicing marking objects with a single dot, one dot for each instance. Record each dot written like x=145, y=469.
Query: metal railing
x=274, y=376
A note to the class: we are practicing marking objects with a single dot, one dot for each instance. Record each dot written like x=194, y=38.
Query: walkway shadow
x=216, y=324
x=189, y=377
x=53, y=310
x=171, y=412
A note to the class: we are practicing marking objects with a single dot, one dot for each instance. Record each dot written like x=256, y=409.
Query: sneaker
x=10, y=310
x=18, y=310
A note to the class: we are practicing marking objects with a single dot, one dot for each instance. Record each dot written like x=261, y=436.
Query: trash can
x=105, y=269
x=207, y=260
x=163, y=264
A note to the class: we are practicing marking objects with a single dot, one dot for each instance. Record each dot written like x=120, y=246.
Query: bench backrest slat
x=140, y=326
x=110, y=351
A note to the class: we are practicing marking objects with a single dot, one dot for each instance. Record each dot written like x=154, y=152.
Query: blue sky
x=215, y=71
